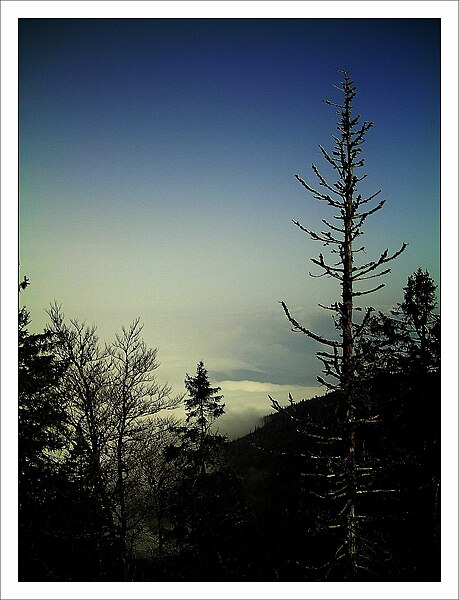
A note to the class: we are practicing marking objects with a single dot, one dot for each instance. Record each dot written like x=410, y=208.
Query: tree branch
x=368, y=291
x=300, y=328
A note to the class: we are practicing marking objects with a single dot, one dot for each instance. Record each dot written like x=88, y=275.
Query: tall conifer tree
x=343, y=468
x=203, y=406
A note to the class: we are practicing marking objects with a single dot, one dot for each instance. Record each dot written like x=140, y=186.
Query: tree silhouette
x=41, y=436
x=419, y=320
x=203, y=404
x=407, y=340
x=158, y=477
x=344, y=467
x=203, y=407
x=112, y=397
x=402, y=352
x=209, y=511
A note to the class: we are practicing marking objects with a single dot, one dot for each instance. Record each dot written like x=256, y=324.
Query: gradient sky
x=157, y=162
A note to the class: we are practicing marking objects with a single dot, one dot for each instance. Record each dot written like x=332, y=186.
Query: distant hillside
x=271, y=460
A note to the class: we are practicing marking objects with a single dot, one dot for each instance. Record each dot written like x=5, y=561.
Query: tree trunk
x=122, y=506
x=347, y=373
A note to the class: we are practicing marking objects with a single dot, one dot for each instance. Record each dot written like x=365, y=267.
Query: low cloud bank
x=247, y=402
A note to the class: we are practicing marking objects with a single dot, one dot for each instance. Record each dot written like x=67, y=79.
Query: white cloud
x=270, y=388
x=246, y=402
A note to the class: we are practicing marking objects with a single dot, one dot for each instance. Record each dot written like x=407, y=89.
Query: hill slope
x=404, y=444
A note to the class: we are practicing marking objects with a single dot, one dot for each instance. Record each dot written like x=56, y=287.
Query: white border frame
x=448, y=12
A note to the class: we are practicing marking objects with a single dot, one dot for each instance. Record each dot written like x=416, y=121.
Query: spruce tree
x=408, y=339
x=41, y=437
x=203, y=407
x=203, y=404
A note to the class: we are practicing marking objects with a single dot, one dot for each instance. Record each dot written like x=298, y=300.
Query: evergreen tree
x=417, y=317
x=402, y=374
x=408, y=339
x=41, y=437
x=41, y=415
x=203, y=407
x=203, y=403
x=211, y=520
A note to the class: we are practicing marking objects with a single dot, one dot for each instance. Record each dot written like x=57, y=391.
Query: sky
x=156, y=180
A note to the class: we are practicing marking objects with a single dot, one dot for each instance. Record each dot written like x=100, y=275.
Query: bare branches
x=360, y=328
x=335, y=272
x=332, y=161
x=300, y=328
x=327, y=238
x=375, y=289
x=371, y=266
x=339, y=229
x=318, y=195
x=323, y=181
x=365, y=200
x=112, y=396
x=345, y=476
x=363, y=216
x=380, y=274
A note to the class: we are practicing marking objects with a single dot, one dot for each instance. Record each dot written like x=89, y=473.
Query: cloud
x=260, y=346
x=247, y=402
x=266, y=387
x=251, y=345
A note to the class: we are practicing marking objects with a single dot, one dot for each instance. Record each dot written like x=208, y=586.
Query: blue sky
x=157, y=162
